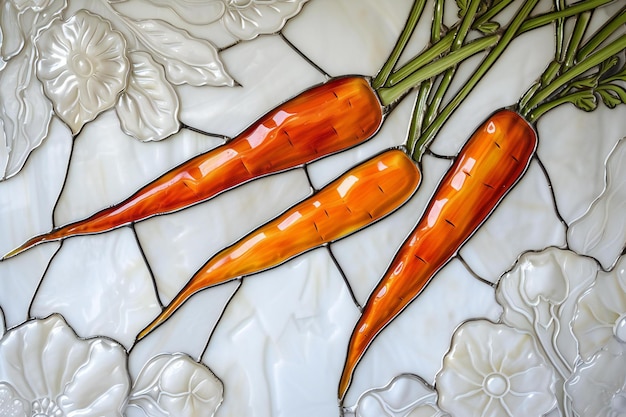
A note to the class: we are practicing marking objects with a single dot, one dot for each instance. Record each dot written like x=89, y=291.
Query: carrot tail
x=322, y=120
x=183, y=296
x=488, y=166
x=56, y=234
x=361, y=196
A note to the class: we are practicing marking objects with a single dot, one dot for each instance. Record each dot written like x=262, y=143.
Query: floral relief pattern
x=83, y=66
x=405, y=396
x=601, y=312
x=242, y=19
x=495, y=370
x=559, y=346
x=176, y=385
x=86, y=62
x=601, y=232
x=598, y=387
x=46, y=370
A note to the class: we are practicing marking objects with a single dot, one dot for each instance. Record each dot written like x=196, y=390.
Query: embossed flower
x=176, y=385
x=47, y=371
x=495, y=370
x=21, y=19
x=35, y=5
x=83, y=66
x=601, y=312
x=243, y=19
x=406, y=395
x=598, y=387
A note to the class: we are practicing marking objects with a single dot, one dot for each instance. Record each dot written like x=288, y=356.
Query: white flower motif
x=176, y=385
x=20, y=20
x=47, y=371
x=246, y=19
x=601, y=312
x=598, y=387
x=243, y=19
x=83, y=66
x=34, y=5
x=494, y=370
x=538, y=295
x=405, y=396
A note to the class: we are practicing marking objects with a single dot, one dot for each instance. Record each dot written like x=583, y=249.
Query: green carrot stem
x=435, y=30
x=609, y=27
x=546, y=107
x=581, y=67
x=491, y=12
x=389, y=94
x=564, y=59
x=427, y=56
x=403, y=39
x=544, y=19
x=508, y=35
x=459, y=39
x=417, y=120
x=560, y=30
x=577, y=35
x=421, y=101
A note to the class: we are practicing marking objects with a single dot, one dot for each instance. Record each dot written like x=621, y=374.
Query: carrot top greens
x=565, y=80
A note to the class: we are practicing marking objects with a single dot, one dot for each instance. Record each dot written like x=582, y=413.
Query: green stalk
x=491, y=12
x=509, y=34
x=417, y=120
x=591, y=61
x=388, y=95
x=546, y=107
x=422, y=59
x=546, y=18
x=435, y=30
x=577, y=35
x=443, y=45
x=421, y=101
x=560, y=30
x=459, y=39
x=409, y=27
x=609, y=27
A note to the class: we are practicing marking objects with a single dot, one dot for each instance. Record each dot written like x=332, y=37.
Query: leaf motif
x=586, y=101
x=148, y=110
x=609, y=98
x=259, y=17
x=193, y=12
x=25, y=113
x=176, y=385
x=607, y=65
x=187, y=60
x=11, y=36
x=462, y=5
x=489, y=28
x=585, y=83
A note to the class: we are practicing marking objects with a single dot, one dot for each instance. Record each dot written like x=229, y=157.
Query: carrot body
x=320, y=121
x=490, y=163
x=359, y=197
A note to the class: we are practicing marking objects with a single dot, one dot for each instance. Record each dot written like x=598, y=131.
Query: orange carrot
x=359, y=197
x=490, y=163
x=322, y=120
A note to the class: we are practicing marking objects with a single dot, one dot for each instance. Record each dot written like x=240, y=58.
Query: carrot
x=322, y=120
x=359, y=197
x=490, y=163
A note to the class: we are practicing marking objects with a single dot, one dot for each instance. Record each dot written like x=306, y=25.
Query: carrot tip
x=14, y=252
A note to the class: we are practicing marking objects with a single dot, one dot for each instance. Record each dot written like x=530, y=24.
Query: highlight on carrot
x=359, y=197
x=320, y=121
x=487, y=167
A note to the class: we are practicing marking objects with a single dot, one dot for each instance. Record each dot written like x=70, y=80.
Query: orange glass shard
x=322, y=120
x=490, y=163
x=359, y=197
